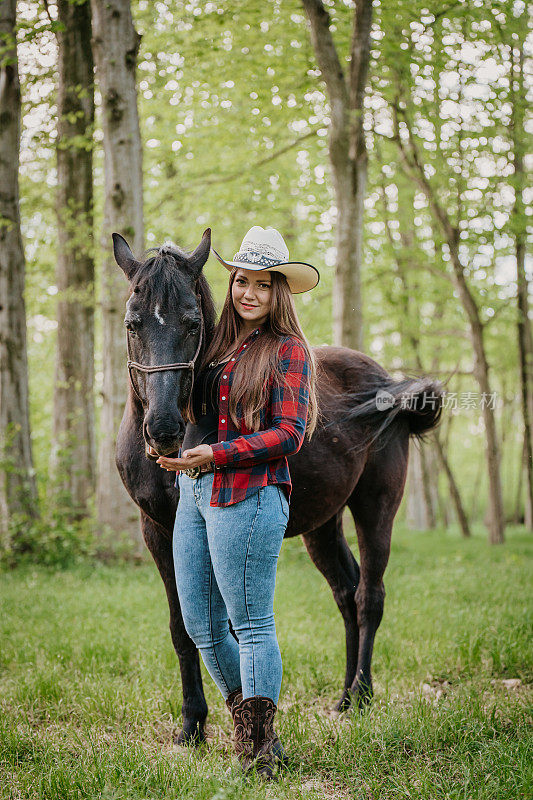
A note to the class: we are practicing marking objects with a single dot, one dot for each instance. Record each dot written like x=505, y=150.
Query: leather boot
x=234, y=697
x=256, y=742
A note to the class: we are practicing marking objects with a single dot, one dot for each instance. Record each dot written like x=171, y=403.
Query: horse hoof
x=192, y=733
x=358, y=697
x=361, y=697
x=344, y=703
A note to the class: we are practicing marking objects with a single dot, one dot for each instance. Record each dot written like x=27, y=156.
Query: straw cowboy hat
x=264, y=249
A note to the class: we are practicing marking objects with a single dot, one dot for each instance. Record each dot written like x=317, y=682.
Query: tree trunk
x=422, y=482
x=519, y=223
x=454, y=489
x=116, y=45
x=73, y=447
x=420, y=491
x=18, y=493
x=414, y=163
x=496, y=523
x=348, y=158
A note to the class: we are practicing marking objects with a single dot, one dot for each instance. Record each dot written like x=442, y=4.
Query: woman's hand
x=202, y=454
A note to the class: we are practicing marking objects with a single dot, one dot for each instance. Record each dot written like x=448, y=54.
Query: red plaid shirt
x=244, y=460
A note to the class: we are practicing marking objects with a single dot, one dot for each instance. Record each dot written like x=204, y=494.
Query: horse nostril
x=163, y=434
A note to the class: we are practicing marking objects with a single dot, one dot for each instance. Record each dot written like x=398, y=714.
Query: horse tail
x=418, y=401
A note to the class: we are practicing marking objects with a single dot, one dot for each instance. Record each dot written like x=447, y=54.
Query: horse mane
x=162, y=279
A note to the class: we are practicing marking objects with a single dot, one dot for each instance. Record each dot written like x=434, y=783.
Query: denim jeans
x=225, y=560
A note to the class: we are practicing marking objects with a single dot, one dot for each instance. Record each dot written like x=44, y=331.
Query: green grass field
x=90, y=691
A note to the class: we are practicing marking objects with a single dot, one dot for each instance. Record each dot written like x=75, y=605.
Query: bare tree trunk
x=496, y=521
x=422, y=483
x=73, y=449
x=526, y=377
x=348, y=157
x=525, y=340
x=454, y=489
x=116, y=45
x=444, y=439
x=420, y=514
x=430, y=475
x=520, y=515
x=18, y=493
x=412, y=160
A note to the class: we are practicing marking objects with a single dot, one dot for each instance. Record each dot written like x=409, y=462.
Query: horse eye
x=130, y=328
x=192, y=328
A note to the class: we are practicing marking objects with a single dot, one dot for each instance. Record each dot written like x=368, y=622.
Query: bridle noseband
x=164, y=367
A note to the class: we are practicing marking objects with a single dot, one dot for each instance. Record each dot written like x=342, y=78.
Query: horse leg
x=374, y=503
x=331, y=554
x=194, y=707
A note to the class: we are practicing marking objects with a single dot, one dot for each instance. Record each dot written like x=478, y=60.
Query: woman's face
x=251, y=293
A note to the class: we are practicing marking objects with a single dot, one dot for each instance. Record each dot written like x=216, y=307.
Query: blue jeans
x=225, y=560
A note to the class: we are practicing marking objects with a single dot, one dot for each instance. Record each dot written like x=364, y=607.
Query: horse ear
x=198, y=258
x=123, y=256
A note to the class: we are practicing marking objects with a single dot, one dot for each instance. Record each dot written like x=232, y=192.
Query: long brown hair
x=260, y=361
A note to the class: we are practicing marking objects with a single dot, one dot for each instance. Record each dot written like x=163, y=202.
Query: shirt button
x=233, y=359
x=244, y=345
x=223, y=397
x=222, y=420
x=224, y=376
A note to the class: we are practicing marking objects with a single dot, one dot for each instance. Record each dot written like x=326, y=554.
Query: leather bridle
x=163, y=367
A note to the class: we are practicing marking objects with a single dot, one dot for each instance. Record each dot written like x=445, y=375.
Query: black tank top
x=205, y=407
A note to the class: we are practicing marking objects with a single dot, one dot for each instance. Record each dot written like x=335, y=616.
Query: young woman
x=252, y=402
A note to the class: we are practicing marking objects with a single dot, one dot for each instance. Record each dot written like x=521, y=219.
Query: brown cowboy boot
x=232, y=700
x=234, y=697
x=256, y=742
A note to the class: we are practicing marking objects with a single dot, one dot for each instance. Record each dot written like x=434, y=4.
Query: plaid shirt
x=244, y=460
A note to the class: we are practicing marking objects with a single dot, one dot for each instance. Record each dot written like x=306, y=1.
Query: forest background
x=238, y=116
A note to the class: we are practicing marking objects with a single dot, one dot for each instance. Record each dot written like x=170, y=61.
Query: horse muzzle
x=163, y=438
x=153, y=454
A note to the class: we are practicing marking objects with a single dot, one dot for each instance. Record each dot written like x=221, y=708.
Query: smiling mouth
x=247, y=305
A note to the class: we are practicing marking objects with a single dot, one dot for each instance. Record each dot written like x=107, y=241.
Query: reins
x=163, y=367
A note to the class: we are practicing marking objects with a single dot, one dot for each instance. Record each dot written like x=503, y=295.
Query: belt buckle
x=193, y=472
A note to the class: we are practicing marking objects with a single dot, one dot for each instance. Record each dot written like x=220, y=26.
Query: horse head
x=165, y=327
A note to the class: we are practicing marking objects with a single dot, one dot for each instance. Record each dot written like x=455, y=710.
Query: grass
x=90, y=692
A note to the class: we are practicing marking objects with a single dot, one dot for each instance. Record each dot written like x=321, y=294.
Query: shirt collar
x=254, y=333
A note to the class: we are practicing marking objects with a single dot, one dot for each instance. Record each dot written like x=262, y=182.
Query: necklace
x=216, y=363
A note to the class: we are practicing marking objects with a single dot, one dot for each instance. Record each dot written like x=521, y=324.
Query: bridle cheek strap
x=132, y=365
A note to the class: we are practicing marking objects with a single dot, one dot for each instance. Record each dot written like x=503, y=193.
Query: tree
x=18, y=493
x=519, y=226
x=437, y=152
x=116, y=44
x=348, y=158
x=73, y=446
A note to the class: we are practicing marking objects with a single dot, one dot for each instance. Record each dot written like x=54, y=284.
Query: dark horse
x=357, y=456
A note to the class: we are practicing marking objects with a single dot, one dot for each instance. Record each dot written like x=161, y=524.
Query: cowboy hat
x=264, y=249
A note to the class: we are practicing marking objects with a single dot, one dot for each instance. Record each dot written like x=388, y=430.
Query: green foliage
x=58, y=539
x=234, y=120
x=59, y=536
x=54, y=539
